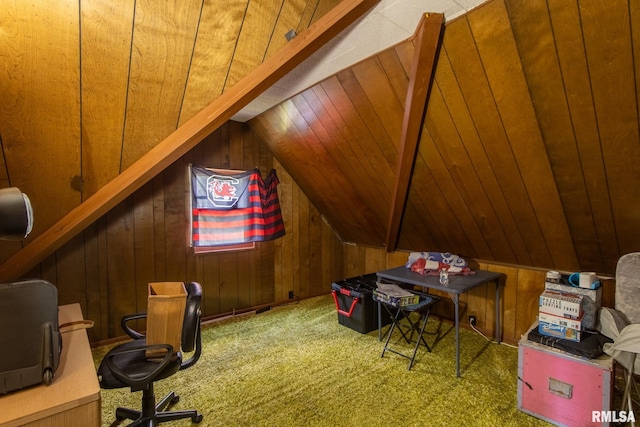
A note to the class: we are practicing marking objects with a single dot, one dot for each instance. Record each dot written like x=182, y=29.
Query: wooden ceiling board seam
x=162, y=50
x=405, y=52
x=369, y=158
x=332, y=171
x=468, y=68
x=106, y=32
x=392, y=68
x=321, y=9
x=253, y=40
x=381, y=96
x=352, y=90
x=352, y=134
x=485, y=231
x=612, y=73
x=421, y=229
x=355, y=167
x=449, y=205
x=306, y=15
x=41, y=113
x=288, y=18
x=208, y=72
x=347, y=95
x=301, y=159
x=535, y=40
x=430, y=210
x=498, y=51
x=571, y=52
x=479, y=163
x=367, y=174
x=345, y=138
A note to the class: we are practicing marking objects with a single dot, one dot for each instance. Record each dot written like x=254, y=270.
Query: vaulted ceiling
x=529, y=149
x=528, y=152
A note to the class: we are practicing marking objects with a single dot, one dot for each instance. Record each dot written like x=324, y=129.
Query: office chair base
x=154, y=414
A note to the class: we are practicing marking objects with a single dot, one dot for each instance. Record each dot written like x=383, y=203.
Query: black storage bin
x=354, y=301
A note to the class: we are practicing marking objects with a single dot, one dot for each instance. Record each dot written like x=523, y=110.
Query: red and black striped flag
x=232, y=209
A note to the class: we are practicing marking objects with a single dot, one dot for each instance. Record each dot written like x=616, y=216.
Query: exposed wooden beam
x=186, y=137
x=427, y=40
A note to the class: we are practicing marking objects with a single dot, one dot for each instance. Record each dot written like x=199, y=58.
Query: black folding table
x=458, y=284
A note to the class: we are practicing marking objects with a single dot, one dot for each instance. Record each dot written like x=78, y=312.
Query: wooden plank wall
x=529, y=152
x=107, y=268
x=144, y=239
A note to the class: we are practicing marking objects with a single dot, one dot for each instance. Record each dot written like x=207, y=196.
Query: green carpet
x=297, y=366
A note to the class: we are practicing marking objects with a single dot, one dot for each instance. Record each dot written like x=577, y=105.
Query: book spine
x=558, y=305
x=561, y=321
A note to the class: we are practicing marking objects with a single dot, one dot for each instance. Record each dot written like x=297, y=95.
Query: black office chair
x=127, y=365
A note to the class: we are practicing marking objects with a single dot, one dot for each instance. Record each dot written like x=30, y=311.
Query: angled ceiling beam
x=185, y=137
x=427, y=43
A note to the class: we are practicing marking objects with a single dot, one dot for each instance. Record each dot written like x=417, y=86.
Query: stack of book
x=560, y=315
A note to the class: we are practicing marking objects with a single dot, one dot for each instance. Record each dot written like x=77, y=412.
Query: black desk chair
x=407, y=326
x=127, y=365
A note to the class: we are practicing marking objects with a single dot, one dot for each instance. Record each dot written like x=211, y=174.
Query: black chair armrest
x=124, y=323
x=196, y=353
x=137, y=380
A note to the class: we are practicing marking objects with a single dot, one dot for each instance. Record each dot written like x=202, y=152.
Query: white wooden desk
x=72, y=400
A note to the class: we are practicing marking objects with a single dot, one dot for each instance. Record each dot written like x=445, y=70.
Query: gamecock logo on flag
x=221, y=191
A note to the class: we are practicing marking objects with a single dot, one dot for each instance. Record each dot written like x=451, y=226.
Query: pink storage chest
x=560, y=388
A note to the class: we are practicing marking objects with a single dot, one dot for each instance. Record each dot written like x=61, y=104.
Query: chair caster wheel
x=197, y=419
x=174, y=400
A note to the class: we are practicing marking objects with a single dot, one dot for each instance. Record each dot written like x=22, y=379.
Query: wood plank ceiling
x=529, y=150
x=159, y=63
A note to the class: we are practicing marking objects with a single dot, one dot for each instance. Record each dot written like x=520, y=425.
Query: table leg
x=457, y=321
x=498, y=335
x=379, y=321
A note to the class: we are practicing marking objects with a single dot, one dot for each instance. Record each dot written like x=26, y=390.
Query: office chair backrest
x=191, y=340
x=628, y=286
